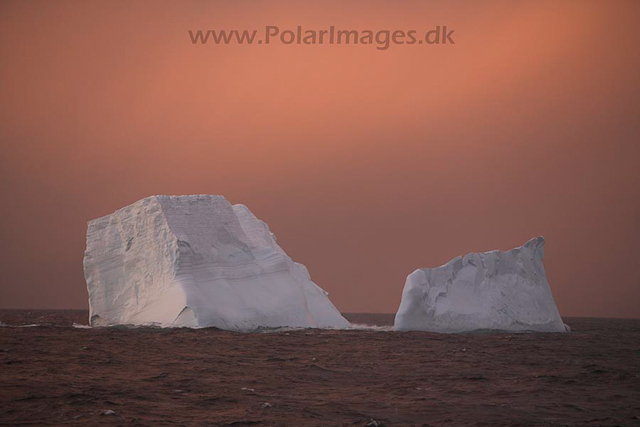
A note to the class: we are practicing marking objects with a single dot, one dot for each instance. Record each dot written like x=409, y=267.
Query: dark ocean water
x=54, y=373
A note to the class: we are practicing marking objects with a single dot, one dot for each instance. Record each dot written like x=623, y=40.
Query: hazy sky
x=367, y=164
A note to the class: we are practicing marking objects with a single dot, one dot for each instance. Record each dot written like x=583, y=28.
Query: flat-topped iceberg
x=482, y=291
x=197, y=261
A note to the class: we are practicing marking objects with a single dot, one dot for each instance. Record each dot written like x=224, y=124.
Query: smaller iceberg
x=495, y=290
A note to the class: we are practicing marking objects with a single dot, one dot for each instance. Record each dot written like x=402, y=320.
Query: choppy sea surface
x=55, y=370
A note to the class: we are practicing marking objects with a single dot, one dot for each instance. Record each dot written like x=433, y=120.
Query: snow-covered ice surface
x=197, y=261
x=482, y=291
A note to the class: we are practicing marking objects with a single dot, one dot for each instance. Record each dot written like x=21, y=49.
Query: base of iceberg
x=197, y=261
x=495, y=290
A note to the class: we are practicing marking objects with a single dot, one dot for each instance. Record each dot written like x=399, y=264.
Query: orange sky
x=367, y=164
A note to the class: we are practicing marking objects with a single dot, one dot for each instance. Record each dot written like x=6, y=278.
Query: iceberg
x=495, y=290
x=197, y=261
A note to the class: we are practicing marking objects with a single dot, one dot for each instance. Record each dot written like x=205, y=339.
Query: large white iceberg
x=482, y=291
x=197, y=261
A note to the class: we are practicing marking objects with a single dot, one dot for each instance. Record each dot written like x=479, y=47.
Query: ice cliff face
x=482, y=291
x=197, y=261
